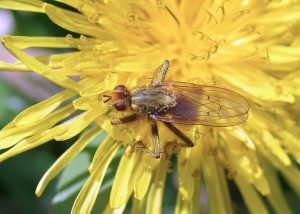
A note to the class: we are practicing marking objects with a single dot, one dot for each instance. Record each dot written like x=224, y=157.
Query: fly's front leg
x=156, y=144
x=154, y=130
x=159, y=77
x=126, y=119
x=178, y=133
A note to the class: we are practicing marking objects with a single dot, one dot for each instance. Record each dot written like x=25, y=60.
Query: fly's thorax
x=152, y=100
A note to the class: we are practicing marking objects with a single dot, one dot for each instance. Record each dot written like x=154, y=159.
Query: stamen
x=196, y=133
x=164, y=6
x=202, y=35
x=213, y=48
x=211, y=16
x=268, y=57
x=173, y=15
x=206, y=56
x=241, y=13
x=255, y=52
x=222, y=9
x=70, y=40
x=131, y=17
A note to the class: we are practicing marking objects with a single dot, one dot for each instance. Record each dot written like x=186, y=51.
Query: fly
x=174, y=102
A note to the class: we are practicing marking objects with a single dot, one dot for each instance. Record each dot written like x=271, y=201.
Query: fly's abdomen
x=152, y=100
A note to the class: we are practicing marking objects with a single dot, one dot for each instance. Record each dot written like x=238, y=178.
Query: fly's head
x=119, y=98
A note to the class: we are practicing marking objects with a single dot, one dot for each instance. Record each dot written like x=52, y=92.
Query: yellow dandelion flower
x=251, y=47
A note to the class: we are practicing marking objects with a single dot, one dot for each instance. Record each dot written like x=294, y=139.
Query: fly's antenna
x=108, y=98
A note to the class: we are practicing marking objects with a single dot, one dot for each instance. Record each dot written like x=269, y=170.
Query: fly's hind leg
x=178, y=133
x=156, y=144
x=159, y=77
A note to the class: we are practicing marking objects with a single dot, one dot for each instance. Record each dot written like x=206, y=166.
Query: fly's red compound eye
x=120, y=88
x=120, y=105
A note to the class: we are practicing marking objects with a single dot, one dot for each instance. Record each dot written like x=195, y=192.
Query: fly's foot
x=115, y=122
x=139, y=146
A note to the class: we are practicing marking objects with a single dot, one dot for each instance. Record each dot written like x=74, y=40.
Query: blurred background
x=20, y=175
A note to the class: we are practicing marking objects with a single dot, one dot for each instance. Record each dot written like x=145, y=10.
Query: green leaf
x=11, y=103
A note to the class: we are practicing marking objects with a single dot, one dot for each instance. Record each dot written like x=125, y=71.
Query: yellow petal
x=215, y=180
x=90, y=103
x=138, y=206
x=109, y=210
x=291, y=142
x=196, y=205
x=122, y=184
x=40, y=110
x=182, y=206
x=155, y=197
x=135, y=65
x=4, y=66
x=87, y=196
x=291, y=83
x=23, y=42
x=281, y=16
x=251, y=197
x=273, y=146
x=141, y=182
x=26, y=5
x=189, y=161
x=33, y=142
x=143, y=174
x=73, y=21
x=244, y=162
x=103, y=147
x=261, y=183
x=117, y=132
x=277, y=197
x=38, y=67
x=95, y=90
x=191, y=205
x=292, y=176
x=65, y=158
x=11, y=135
x=78, y=124
x=257, y=83
x=185, y=170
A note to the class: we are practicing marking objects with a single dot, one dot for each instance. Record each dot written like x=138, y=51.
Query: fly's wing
x=205, y=105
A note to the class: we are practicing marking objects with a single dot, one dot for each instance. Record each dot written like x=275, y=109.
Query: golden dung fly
x=178, y=102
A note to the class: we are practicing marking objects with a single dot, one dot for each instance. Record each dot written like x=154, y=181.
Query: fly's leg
x=178, y=133
x=154, y=130
x=156, y=146
x=145, y=149
x=159, y=77
x=126, y=119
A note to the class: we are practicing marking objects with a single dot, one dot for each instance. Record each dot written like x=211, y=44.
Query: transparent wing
x=205, y=105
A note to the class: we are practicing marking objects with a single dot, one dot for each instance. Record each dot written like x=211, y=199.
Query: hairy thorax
x=152, y=100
